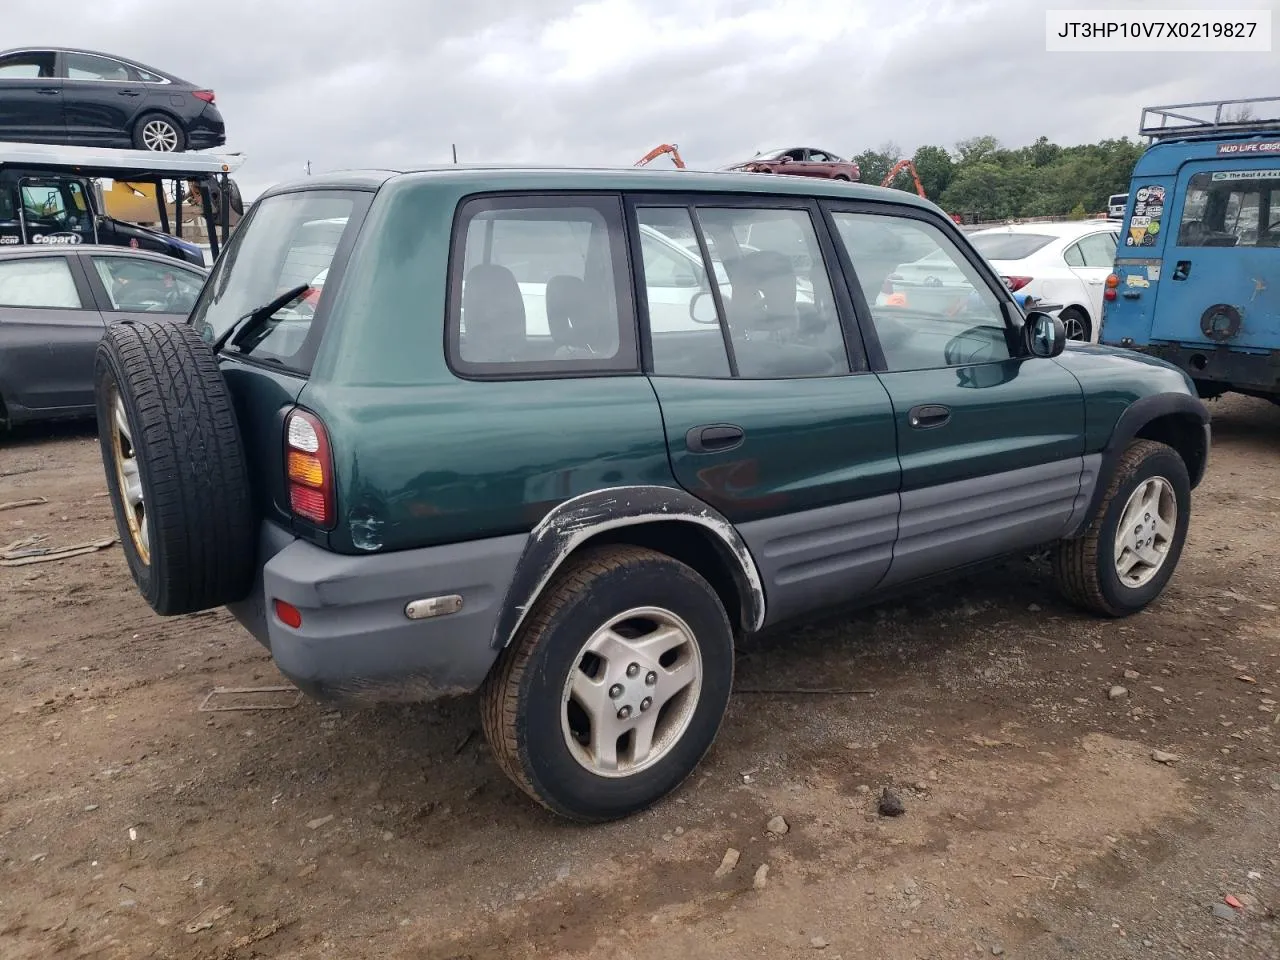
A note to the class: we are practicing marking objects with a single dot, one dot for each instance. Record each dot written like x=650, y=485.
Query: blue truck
x=1196, y=279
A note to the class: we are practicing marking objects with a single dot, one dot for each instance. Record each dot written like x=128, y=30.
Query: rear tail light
x=205, y=95
x=1016, y=283
x=309, y=468
x=1110, y=292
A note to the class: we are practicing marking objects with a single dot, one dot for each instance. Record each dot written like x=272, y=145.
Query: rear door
x=990, y=442
x=771, y=414
x=1220, y=281
x=1091, y=259
x=101, y=97
x=31, y=98
x=49, y=330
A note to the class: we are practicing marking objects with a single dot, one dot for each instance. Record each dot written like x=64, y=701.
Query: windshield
x=1009, y=246
x=286, y=241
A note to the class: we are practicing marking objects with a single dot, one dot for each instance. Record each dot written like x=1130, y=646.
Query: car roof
x=1064, y=228
x=31, y=250
x=482, y=178
x=97, y=53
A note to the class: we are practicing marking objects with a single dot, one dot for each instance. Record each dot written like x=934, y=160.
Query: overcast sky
x=348, y=83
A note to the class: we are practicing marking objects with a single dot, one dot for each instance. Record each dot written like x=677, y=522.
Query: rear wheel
x=175, y=466
x=1127, y=554
x=614, y=688
x=1077, y=324
x=159, y=134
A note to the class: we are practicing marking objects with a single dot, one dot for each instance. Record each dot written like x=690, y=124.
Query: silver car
x=55, y=303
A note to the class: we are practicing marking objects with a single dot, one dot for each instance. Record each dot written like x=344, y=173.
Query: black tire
x=195, y=541
x=522, y=699
x=1085, y=568
x=140, y=136
x=1074, y=316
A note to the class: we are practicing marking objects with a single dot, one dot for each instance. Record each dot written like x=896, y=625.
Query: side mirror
x=702, y=308
x=1043, y=335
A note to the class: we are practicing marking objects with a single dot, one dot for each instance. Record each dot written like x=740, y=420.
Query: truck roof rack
x=1210, y=118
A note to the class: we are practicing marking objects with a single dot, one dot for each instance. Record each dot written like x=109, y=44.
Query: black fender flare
x=1136, y=416
x=571, y=523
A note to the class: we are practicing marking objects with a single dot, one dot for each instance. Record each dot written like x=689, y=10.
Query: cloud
x=396, y=82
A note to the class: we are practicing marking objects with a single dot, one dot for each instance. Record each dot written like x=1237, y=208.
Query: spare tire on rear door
x=175, y=466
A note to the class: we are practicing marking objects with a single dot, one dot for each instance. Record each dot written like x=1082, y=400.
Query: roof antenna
x=455, y=152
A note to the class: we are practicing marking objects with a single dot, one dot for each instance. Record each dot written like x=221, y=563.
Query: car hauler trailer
x=49, y=194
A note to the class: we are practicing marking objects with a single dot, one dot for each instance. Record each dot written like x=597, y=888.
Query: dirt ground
x=1037, y=822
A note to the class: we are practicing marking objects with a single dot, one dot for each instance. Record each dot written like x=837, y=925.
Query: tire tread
x=188, y=443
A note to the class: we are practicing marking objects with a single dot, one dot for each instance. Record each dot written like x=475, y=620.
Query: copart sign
x=56, y=238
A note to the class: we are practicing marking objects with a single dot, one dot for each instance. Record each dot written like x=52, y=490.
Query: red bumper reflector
x=289, y=615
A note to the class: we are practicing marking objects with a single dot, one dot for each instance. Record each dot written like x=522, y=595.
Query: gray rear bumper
x=355, y=642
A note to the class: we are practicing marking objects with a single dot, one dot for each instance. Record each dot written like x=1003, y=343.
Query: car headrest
x=493, y=310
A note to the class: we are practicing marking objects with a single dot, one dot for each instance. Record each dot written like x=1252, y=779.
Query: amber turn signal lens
x=306, y=468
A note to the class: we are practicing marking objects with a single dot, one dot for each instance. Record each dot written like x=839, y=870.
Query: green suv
x=563, y=436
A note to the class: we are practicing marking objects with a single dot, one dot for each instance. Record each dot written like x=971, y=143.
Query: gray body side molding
x=573, y=522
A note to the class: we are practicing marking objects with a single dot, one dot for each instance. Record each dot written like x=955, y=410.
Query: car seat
x=764, y=322
x=493, y=316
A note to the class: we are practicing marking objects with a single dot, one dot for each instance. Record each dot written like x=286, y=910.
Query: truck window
x=1231, y=208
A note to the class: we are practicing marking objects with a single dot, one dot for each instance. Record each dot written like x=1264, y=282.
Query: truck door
x=1221, y=283
x=55, y=210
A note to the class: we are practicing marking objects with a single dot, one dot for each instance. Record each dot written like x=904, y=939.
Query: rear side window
x=539, y=287
x=1231, y=208
x=1009, y=246
x=287, y=243
x=84, y=66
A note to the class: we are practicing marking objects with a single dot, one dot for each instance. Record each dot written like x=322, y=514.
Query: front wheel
x=614, y=688
x=1077, y=325
x=1127, y=554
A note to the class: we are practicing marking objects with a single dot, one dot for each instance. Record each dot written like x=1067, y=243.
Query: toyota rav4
x=564, y=436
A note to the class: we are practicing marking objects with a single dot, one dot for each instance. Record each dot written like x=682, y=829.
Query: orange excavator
x=897, y=169
x=658, y=151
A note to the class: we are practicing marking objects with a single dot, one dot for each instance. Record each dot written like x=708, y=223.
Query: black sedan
x=82, y=98
x=55, y=303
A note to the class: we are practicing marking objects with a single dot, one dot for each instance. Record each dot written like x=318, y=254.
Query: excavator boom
x=658, y=151
x=897, y=169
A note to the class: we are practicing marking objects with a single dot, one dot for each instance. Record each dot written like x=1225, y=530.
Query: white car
x=1064, y=263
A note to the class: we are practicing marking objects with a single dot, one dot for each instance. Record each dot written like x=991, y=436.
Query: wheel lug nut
x=624, y=713
x=646, y=703
x=650, y=678
x=633, y=669
x=615, y=691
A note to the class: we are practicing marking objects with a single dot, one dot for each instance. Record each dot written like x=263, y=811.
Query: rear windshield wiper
x=247, y=325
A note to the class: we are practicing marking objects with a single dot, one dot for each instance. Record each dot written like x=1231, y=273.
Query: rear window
x=1230, y=208
x=1009, y=246
x=287, y=242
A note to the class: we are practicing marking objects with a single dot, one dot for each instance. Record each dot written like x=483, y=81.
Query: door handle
x=714, y=438
x=130, y=93
x=928, y=415
x=1182, y=270
x=1095, y=283
x=48, y=91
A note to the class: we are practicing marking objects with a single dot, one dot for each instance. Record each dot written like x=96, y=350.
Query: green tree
x=936, y=168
